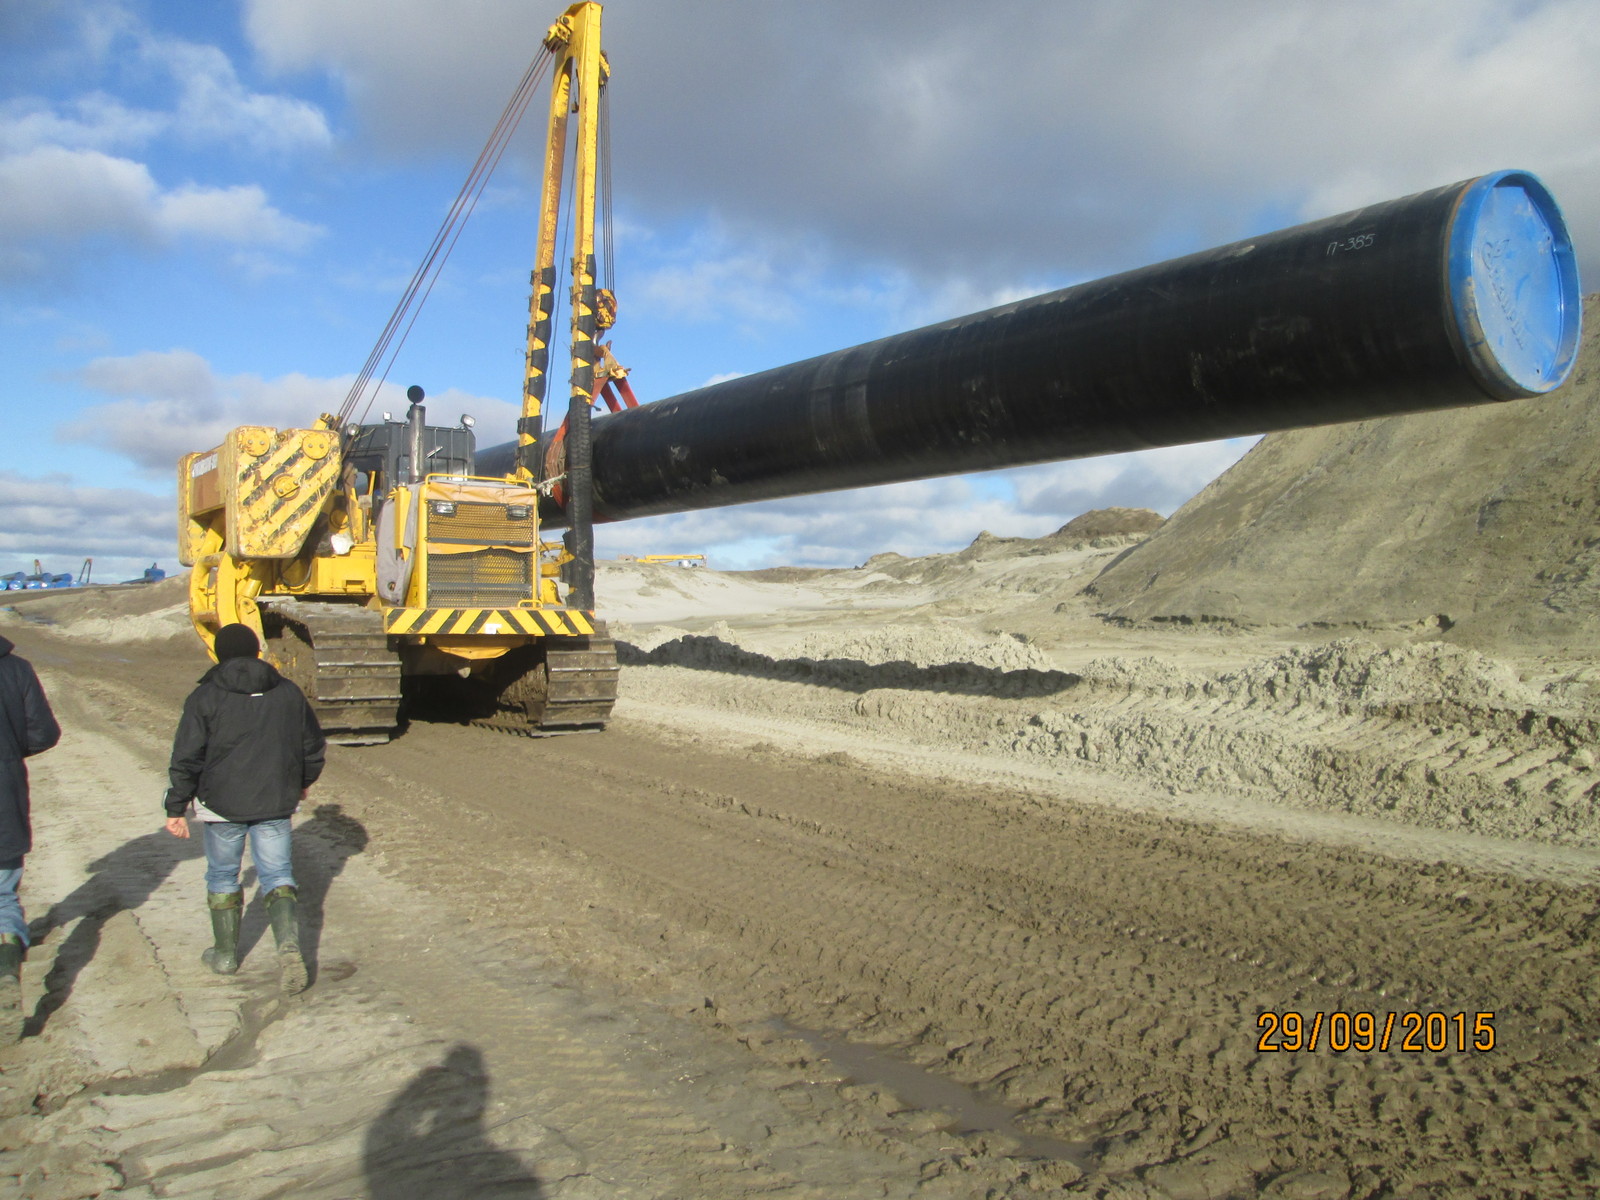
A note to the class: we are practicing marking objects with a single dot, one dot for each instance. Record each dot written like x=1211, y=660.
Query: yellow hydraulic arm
x=579, y=75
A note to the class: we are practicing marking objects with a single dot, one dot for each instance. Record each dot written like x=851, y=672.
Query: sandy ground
x=918, y=879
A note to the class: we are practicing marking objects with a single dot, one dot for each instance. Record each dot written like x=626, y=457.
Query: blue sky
x=207, y=211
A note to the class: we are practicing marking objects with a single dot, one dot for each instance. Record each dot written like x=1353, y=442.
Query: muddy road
x=702, y=964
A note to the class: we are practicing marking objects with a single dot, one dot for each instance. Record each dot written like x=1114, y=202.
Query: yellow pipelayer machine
x=365, y=555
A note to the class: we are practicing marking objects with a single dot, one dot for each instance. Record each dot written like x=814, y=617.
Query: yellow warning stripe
x=400, y=620
x=436, y=620
x=535, y=622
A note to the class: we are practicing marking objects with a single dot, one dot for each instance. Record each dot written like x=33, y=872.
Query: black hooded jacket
x=247, y=744
x=27, y=727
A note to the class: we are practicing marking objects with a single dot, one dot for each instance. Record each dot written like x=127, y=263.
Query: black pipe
x=1455, y=296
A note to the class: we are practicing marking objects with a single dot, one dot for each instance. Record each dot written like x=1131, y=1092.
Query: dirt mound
x=1475, y=524
x=1108, y=522
x=937, y=658
x=112, y=615
x=120, y=600
x=1429, y=734
x=923, y=645
x=1352, y=673
x=783, y=574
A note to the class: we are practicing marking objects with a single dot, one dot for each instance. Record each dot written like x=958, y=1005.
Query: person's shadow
x=322, y=845
x=431, y=1142
x=121, y=880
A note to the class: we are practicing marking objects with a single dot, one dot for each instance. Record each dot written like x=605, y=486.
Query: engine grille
x=489, y=578
x=476, y=523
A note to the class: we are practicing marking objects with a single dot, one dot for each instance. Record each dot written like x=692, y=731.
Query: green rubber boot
x=10, y=989
x=226, y=909
x=282, y=911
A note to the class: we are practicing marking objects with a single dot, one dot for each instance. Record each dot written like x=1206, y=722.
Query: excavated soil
x=891, y=881
x=1479, y=525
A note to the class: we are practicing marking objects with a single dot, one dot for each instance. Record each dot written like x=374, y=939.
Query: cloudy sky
x=207, y=211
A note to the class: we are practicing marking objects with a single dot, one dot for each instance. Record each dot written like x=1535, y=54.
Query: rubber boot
x=226, y=909
x=10, y=989
x=282, y=911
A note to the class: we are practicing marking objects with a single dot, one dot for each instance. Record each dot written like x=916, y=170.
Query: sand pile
x=115, y=615
x=1110, y=522
x=1354, y=675
x=922, y=645
x=1479, y=525
x=1430, y=734
x=941, y=657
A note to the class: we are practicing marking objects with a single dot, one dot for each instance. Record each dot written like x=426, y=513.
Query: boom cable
x=422, y=280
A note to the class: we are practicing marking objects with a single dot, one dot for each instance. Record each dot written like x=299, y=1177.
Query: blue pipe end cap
x=1513, y=281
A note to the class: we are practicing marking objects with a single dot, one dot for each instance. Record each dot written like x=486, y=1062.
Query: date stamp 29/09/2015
x=1408, y=1032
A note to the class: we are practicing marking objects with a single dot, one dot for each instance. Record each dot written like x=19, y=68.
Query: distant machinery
x=152, y=574
x=685, y=560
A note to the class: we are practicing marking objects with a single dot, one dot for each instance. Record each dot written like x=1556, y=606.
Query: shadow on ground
x=431, y=1140
x=121, y=880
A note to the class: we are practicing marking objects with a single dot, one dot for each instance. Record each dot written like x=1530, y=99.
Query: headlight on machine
x=442, y=508
x=518, y=512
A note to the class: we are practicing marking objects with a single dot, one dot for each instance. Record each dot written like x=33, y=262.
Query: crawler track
x=340, y=657
x=568, y=688
x=343, y=660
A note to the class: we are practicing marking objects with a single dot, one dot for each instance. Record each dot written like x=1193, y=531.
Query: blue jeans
x=269, y=847
x=11, y=918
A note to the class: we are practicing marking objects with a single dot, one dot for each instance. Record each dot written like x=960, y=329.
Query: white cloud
x=1109, y=133
x=928, y=516
x=52, y=197
x=211, y=104
x=834, y=529
x=713, y=276
x=65, y=177
x=419, y=79
x=54, y=193
x=214, y=106
x=61, y=523
x=167, y=403
x=234, y=214
x=1160, y=479
x=95, y=121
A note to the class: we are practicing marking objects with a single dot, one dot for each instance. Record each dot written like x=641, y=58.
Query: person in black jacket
x=27, y=727
x=248, y=747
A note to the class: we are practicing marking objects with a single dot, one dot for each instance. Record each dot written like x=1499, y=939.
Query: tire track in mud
x=1102, y=969
x=602, y=1099
x=1105, y=969
x=1428, y=733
